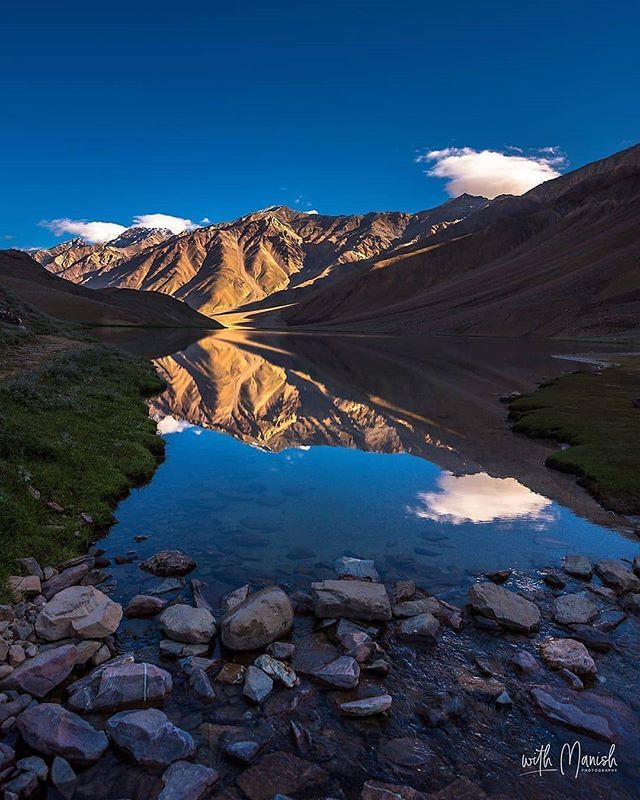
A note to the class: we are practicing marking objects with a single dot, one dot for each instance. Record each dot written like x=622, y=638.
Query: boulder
x=40, y=675
x=187, y=624
x=20, y=585
x=367, y=707
x=144, y=605
x=121, y=686
x=63, y=777
x=504, y=606
x=354, y=599
x=68, y=577
x=567, y=654
x=185, y=781
x=616, y=575
x=257, y=685
x=343, y=673
x=79, y=611
x=578, y=566
x=149, y=737
x=259, y=620
x=360, y=568
x=276, y=669
x=424, y=627
x=168, y=563
x=571, y=609
x=50, y=729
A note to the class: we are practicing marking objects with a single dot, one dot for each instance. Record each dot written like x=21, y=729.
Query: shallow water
x=286, y=452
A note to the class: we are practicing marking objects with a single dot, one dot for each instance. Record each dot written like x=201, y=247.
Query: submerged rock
x=149, y=737
x=570, y=609
x=245, y=744
x=557, y=707
x=122, y=686
x=361, y=568
x=354, y=599
x=367, y=707
x=281, y=773
x=411, y=608
x=423, y=627
x=578, y=566
x=189, y=625
x=168, y=562
x=53, y=731
x=234, y=598
x=616, y=575
x=259, y=620
x=185, y=781
x=567, y=654
x=40, y=675
x=80, y=611
x=144, y=605
x=505, y=607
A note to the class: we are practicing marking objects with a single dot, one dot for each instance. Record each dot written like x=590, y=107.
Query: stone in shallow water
x=261, y=619
x=168, y=585
x=574, y=609
x=187, y=624
x=411, y=608
x=616, y=575
x=201, y=687
x=234, y=598
x=524, y=661
x=36, y=765
x=144, y=605
x=556, y=706
x=53, y=731
x=281, y=773
x=40, y=675
x=356, y=641
x=168, y=563
x=362, y=568
x=79, y=611
x=257, y=685
x=149, y=737
x=367, y=706
x=375, y=790
x=231, y=674
x=567, y=654
x=185, y=781
x=23, y=785
x=593, y=638
x=281, y=650
x=244, y=745
x=572, y=679
x=424, y=627
x=354, y=599
x=405, y=752
x=343, y=673
x=505, y=607
x=578, y=566
x=276, y=669
x=122, y=686
x=173, y=649
x=63, y=777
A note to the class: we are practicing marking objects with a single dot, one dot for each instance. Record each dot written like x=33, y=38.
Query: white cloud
x=489, y=172
x=92, y=232
x=480, y=498
x=174, y=224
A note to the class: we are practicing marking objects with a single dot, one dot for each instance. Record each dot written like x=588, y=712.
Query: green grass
x=75, y=428
x=595, y=415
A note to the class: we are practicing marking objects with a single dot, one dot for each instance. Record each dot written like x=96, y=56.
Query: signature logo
x=571, y=761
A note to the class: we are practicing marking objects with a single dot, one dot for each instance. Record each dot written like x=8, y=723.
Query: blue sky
x=209, y=111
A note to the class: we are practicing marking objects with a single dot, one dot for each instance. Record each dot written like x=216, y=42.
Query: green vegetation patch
x=595, y=413
x=75, y=429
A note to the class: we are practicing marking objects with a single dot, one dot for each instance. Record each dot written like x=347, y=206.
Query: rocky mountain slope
x=32, y=284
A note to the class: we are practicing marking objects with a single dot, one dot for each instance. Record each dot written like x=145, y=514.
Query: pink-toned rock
x=53, y=731
x=40, y=675
x=79, y=611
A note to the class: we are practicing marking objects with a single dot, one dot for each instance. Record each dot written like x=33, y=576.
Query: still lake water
x=286, y=452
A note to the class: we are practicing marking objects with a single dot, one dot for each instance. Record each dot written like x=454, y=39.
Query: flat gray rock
x=63, y=777
x=505, y=607
x=615, y=574
x=578, y=566
x=556, y=707
x=343, y=673
x=144, y=605
x=362, y=568
x=187, y=624
x=367, y=707
x=257, y=685
x=122, y=686
x=354, y=599
x=424, y=627
x=149, y=737
x=572, y=609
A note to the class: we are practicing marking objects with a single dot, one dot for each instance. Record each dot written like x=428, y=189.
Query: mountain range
x=560, y=260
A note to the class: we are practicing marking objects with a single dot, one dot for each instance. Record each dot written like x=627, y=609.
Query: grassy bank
x=74, y=430
x=595, y=414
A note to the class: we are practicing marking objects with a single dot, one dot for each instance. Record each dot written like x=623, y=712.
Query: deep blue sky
x=194, y=109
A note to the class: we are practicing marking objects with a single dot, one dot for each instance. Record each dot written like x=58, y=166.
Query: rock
x=609, y=620
x=636, y=565
x=524, y=661
x=406, y=751
x=302, y=602
x=572, y=679
x=570, y=609
x=7, y=756
x=149, y=737
x=503, y=700
x=199, y=599
x=343, y=673
x=553, y=579
x=484, y=687
x=81, y=611
x=500, y=576
x=231, y=674
x=68, y=577
x=257, y=685
x=567, y=654
x=102, y=655
x=616, y=575
x=36, y=765
x=15, y=707
x=558, y=708
x=282, y=773
x=185, y=781
x=20, y=585
x=144, y=605
x=505, y=607
x=23, y=785
x=16, y=655
x=591, y=637
x=631, y=602
x=121, y=686
x=411, y=608
x=172, y=649
x=423, y=627
x=7, y=614
x=191, y=663
x=40, y=675
x=50, y=729
x=201, y=687
x=259, y=620
x=128, y=559
x=63, y=777
x=375, y=790
x=449, y=615
x=166, y=586
x=403, y=590
x=167, y=563
x=367, y=707
x=356, y=640
x=360, y=568
x=354, y=599
x=244, y=745
x=190, y=625
x=578, y=566
x=234, y=598
x=283, y=651
x=276, y=669
x=31, y=567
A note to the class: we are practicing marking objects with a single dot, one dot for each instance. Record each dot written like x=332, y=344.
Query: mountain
x=31, y=283
x=227, y=265
x=560, y=260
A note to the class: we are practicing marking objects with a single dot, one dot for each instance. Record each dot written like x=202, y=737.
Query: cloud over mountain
x=96, y=232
